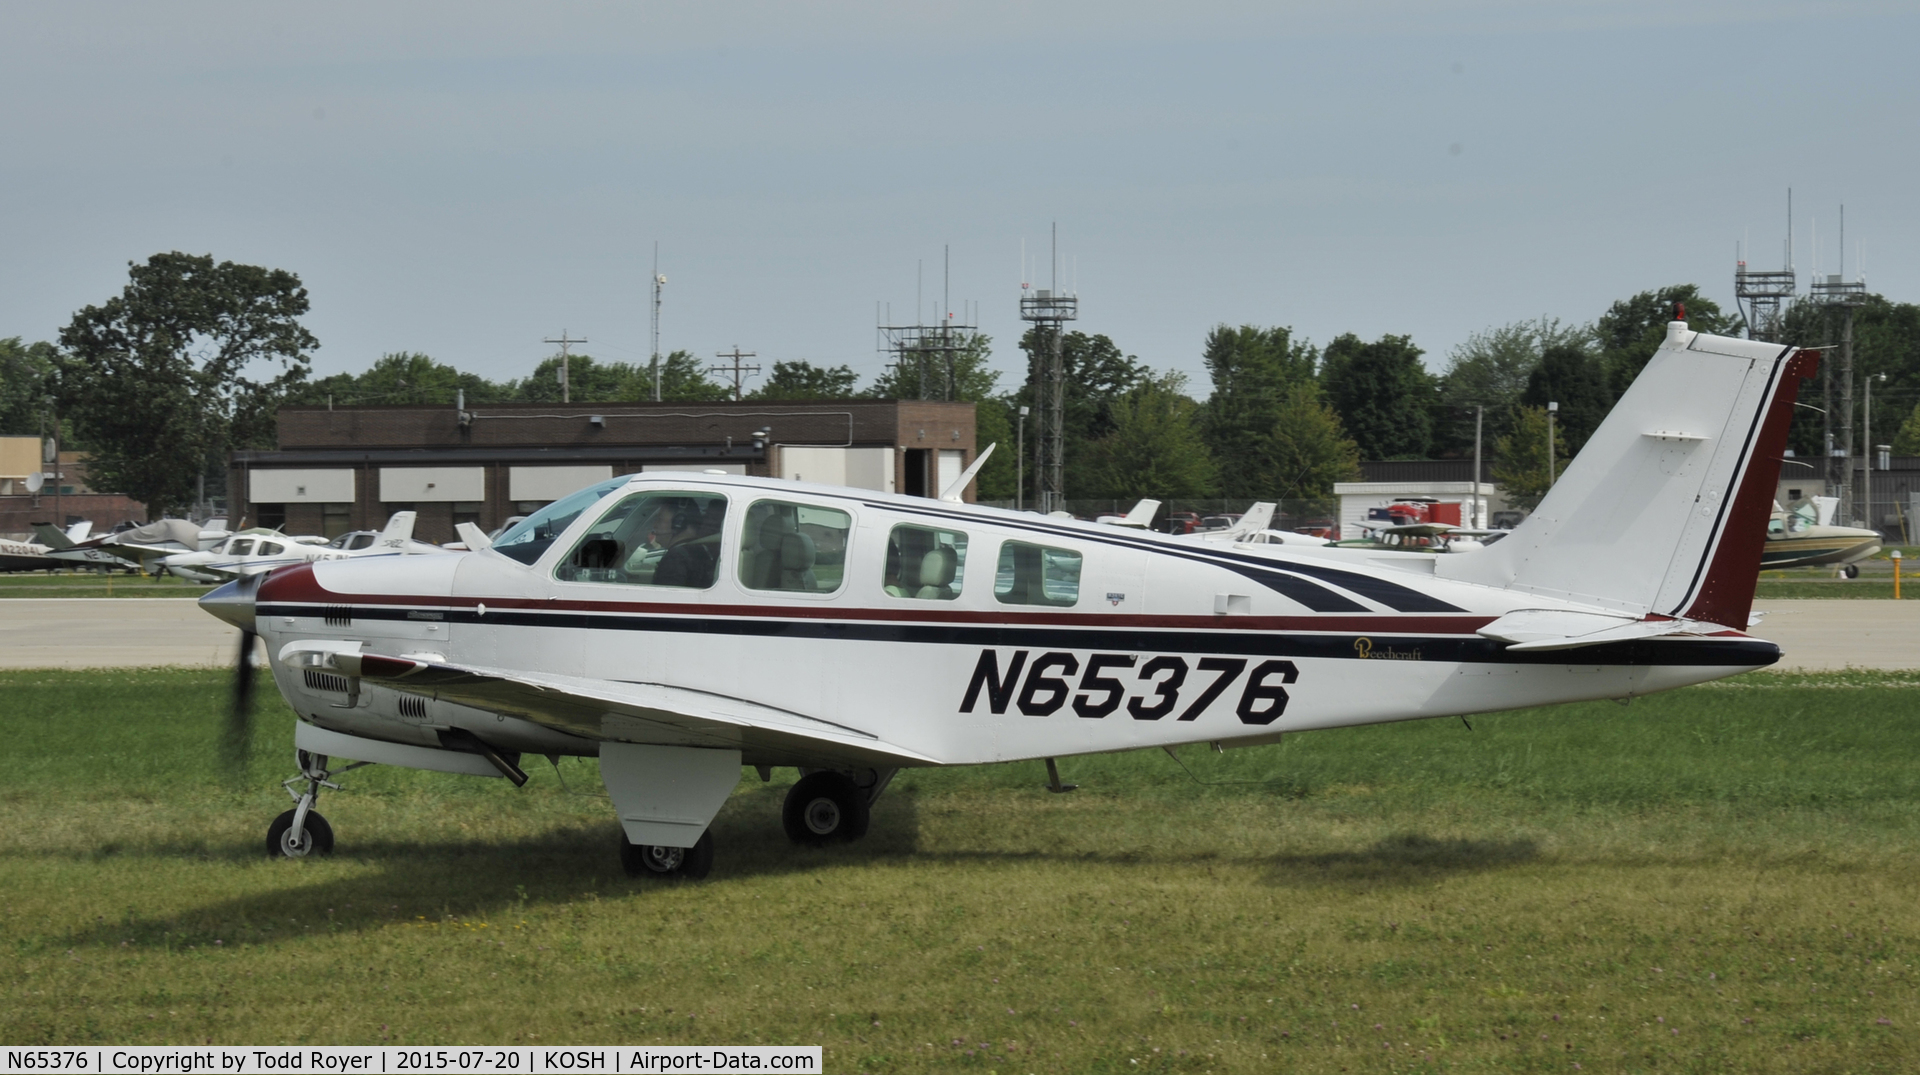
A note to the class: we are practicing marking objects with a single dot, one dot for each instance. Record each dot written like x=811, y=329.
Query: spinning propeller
x=234, y=604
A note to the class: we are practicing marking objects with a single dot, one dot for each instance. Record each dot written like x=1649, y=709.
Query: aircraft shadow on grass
x=1402, y=859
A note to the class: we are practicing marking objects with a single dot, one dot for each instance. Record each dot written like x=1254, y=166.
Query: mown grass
x=90, y=584
x=1720, y=879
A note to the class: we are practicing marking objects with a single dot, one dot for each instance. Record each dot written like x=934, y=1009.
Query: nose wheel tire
x=316, y=837
x=652, y=860
x=825, y=807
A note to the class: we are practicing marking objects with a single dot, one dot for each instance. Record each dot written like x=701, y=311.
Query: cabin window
x=269, y=548
x=527, y=540
x=241, y=547
x=1036, y=575
x=796, y=548
x=925, y=563
x=651, y=539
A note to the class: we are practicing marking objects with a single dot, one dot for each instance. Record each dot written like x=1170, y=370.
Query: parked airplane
x=256, y=552
x=1807, y=536
x=678, y=626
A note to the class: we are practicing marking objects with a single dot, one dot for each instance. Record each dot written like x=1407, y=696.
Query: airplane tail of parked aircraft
x=399, y=530
x=52, y=536
x=1664, y=510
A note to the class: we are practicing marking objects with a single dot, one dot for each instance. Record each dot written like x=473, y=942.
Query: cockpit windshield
x=526, y=541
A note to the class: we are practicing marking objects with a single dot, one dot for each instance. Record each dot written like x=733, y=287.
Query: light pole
x=1020, y=456
x=1867, y=457
x=1479, y=507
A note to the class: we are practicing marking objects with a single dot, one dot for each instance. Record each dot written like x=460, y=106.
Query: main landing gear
x=301, y=831
x=827, y=806
x=692, y=863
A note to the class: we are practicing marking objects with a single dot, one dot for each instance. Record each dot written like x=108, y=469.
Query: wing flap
x=654, y=713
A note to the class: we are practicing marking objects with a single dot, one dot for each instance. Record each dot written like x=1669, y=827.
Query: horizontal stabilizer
x=1530, y=630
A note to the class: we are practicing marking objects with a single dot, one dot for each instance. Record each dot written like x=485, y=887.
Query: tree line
x=194, y=357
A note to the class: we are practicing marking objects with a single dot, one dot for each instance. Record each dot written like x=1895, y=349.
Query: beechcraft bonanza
x=680, y=626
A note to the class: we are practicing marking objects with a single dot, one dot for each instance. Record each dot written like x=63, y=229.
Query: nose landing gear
x=301, y=831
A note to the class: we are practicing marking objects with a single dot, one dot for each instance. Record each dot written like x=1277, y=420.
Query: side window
x=1036, y=575
x=651, y=539
x=243, y=547
x=270, y=548
x=925, y=563
x=794, y=547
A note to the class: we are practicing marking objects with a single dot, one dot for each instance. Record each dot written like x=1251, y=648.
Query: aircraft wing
x=621, y=711
x=1531, y=629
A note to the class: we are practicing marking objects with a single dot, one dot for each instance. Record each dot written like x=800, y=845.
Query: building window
x=335, y=519
x=1036, y=575
x=271, y=516
x=925, y=563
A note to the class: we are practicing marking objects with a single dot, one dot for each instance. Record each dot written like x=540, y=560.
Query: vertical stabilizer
x=1664, y=511
x=399, y=530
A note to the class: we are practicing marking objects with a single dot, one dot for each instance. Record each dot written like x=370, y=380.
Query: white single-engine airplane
x=679, y=626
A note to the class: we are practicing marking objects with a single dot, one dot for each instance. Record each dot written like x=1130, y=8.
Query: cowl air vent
x=326, y=681
x=339, y=615
x=412, y=705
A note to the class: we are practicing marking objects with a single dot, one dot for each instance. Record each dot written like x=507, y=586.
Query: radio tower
x=1760, y=292
x=1048, y=309
x=927, y=354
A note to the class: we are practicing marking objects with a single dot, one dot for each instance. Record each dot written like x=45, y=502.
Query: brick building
x=349, y=468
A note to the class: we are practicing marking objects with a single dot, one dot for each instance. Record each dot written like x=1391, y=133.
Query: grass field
x=88, y=584
x=1719, y=879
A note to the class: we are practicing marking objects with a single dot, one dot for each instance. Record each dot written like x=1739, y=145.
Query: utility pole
x=1020, y=465
x=659, y=281
x=737, y=371
x=1479, y=507
x=1552, y=409
x=566, y=391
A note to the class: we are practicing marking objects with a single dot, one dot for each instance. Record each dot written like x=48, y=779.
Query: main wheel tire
x=825, y=807
x=316, y=838
x=1852, y=571
x=647, y=860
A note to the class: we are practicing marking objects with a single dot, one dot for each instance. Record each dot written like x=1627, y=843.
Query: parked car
x=1182, y=522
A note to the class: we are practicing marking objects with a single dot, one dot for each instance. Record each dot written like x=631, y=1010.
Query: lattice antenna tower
x=927, y=354
x=1047, y=309
x=1764, y=293
x=1838, y=292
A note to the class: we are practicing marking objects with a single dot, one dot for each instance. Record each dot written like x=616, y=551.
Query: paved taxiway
x=136, y=632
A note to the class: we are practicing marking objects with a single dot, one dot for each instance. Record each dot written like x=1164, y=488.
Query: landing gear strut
x=301, y=831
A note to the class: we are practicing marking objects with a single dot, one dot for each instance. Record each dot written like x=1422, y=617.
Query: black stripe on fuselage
x=1385, y=645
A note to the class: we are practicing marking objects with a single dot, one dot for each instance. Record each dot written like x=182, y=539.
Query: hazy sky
x=466, y=179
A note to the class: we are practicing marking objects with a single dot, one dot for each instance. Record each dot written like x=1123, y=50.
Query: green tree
x=1632, y=329
x=1490, y=371
x=588, y=381
x=973, y=379
x=26, y=380
x=1254, y=373
x=1154, y=447
x=804, y=380
x=1907, y=441
x=1384, y=396
x=1886, y=339
x=1521, y=469
x=153, y=378
x=683, y=379
x=1307, y=450
x=1097, y=374
x=1572, y=378
x=400, y=377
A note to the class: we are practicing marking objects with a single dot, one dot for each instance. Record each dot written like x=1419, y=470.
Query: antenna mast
x=1047, y=310
x=659, y=281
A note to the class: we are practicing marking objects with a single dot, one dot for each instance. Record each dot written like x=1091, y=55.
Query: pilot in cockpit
x=692, y=546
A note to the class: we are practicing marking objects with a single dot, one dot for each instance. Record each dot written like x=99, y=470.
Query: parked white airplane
x=678, y=626
x=256, y=552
